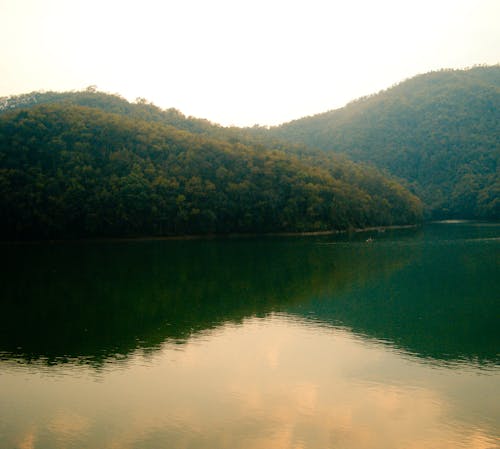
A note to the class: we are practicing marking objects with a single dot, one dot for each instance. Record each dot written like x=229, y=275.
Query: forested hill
x=439, y=131
x=143, y=110
x=90, y=97
x=77, y=171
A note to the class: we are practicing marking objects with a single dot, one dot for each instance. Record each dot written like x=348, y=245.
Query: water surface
x=317, y=342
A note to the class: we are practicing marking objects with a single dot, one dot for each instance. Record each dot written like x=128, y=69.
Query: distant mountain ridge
x=439, y=132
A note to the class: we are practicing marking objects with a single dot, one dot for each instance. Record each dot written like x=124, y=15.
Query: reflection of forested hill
x=443, y=305
x=97, y=299
x=430, y=292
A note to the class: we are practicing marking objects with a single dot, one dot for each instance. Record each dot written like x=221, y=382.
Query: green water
x=290, y=342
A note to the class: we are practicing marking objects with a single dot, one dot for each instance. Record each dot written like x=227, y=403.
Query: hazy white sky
x=240, y=61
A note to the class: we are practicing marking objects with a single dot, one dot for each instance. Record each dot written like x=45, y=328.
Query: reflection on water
x=254, y=343
x=92, y=301
x=442, y=305
x=267, y=383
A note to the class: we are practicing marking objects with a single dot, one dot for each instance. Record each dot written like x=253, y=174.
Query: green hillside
x=113, y=103
x=69, y=171
x=440, y=132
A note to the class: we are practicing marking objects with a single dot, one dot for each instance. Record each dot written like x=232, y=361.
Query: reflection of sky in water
x=275, y=382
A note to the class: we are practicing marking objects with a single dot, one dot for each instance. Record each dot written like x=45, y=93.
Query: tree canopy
x=439, y=132
x=69, y=170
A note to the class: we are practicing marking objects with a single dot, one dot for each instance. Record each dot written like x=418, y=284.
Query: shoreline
x=211, y=236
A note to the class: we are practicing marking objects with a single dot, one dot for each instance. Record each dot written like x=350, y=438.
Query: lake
x=370, y=340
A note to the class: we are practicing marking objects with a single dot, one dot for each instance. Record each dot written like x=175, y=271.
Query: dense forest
x=112, y=168
x=439, y=132
x=87, y=163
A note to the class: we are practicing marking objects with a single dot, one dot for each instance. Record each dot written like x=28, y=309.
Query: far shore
x=213, y=236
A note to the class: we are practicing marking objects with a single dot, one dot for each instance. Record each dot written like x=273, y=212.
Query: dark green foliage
x=72, y=171
x=140, y=110
x=440, y=132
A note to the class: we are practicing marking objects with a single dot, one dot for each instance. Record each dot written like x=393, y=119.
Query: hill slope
x=73, y=171
x=439, y=131
x=112, y=103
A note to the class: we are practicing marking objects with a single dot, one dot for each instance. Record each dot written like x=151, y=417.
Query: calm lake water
x=304, y=342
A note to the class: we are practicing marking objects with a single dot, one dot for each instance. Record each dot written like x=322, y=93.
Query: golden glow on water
x=270, y=383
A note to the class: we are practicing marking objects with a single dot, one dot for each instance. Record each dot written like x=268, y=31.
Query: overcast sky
x=240, y=62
